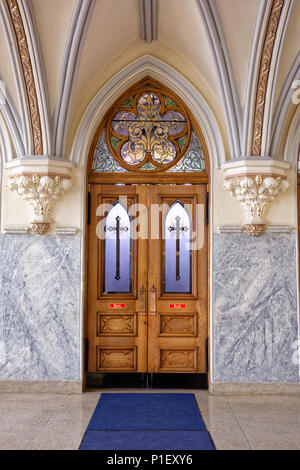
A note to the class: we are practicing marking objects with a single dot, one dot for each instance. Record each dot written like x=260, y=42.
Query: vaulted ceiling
x=224, y=48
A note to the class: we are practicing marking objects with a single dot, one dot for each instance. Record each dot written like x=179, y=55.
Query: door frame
x=92, y=178
x=159, y=177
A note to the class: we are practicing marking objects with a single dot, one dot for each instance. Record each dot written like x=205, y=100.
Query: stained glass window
x=177, y=252
x=117, y=251
x=103, y=160
x=193, y=160
x=148, y=128
x=148, y=131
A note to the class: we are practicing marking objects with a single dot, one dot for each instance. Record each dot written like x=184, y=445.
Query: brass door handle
x=142, y=301
x=152, y=306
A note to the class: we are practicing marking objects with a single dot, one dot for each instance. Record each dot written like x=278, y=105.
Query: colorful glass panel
x=148, y=128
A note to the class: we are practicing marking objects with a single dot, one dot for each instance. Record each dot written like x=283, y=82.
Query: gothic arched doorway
x=147, y=303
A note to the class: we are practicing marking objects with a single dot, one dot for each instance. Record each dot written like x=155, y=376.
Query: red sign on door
x=117, y=305
x=177, y=306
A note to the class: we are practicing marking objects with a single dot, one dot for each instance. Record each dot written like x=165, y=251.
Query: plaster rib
x=26, y=133
x=13, y=122
x=26, y=63
x=226, y=78
x=284, y=105
x=41, y=86
x=69, y=69
x=267, y=73
x=279, y=41
x=262, y=16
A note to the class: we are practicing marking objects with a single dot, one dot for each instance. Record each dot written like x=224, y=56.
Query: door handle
x=142, y=301
x=152, y=309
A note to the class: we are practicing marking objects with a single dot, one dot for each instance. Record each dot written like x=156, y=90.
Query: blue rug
x=147, y=421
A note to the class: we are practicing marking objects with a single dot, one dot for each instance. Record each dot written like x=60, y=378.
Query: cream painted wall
x=137, y=49
x=243, y=16
x=50, y=16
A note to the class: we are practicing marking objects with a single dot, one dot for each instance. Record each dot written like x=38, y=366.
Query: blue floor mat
x=147, y=440
x=147, y=421
x=145, y=411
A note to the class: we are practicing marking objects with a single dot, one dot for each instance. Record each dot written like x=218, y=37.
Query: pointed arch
x=130, y=75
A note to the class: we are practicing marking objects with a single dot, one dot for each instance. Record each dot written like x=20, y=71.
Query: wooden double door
x=147, y=279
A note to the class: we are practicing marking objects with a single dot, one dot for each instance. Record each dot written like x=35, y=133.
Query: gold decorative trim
x=39, y=228
x=255, y=230
x=264, y=75
x=28, y=74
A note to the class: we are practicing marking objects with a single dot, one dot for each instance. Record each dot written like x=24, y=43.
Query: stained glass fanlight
x=148, y=131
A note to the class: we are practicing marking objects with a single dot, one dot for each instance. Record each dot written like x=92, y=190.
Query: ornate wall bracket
x=41, y=189
x=255, y=186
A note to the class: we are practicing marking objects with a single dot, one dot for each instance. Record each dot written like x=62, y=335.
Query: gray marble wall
x=39, y=307
x=255, y=319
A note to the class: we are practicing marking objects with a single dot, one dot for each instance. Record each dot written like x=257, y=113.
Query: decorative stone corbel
x=255, y=184
x=41, y=188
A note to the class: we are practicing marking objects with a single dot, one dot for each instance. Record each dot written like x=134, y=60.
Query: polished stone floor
x=235, y=422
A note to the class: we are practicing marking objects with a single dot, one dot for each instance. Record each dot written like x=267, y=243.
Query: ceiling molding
x=284, y=105
x=253, y=68
x=141, y=68
x=268, y=68
x=148, y=19
x=38, y=69
x=231, y=102
x=26, y=63
x=292, y=143
x=12, y=120
x=25, y=129
x=68, y=74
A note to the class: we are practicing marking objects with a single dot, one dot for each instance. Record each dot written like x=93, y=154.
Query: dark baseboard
x=143, y=380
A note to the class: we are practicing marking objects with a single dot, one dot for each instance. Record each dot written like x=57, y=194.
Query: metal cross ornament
x=177, y=229
x=118, y=230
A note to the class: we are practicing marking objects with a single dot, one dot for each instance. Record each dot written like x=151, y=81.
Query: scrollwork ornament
x=255, y=194
x=41, y=192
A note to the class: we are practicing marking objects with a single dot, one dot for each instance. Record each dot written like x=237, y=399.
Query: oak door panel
x=177, y=326
x=117, y=329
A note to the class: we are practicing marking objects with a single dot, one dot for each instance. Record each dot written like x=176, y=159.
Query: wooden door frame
x=93, y=178
x=142, y=177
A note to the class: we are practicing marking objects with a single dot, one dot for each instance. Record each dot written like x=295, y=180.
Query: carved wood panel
x=178, y=325
x=116, y=324
x=178, y=359
x=116, y=359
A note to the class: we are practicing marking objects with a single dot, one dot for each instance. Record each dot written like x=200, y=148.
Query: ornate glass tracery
x=148, y=128
x=148, y=131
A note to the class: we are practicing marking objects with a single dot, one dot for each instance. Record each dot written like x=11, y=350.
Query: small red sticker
x=177, y=305
x=117, y=305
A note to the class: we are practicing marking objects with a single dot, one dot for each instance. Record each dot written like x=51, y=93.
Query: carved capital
x=42, y=193
x=255, y=194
